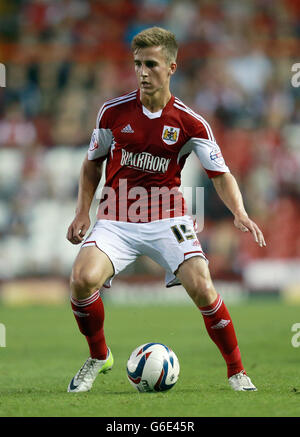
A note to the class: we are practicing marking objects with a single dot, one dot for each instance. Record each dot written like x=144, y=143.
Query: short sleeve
x=210, y=156
x=101, y=141
x=202, y=142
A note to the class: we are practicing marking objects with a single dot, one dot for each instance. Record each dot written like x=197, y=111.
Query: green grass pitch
x=44, y=349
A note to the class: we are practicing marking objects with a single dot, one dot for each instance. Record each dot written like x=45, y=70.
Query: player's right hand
x=78, y=228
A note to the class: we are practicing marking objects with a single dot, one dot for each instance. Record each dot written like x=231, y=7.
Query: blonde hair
x=157, y=37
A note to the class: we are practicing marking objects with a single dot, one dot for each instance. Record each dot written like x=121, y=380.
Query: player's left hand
x=245, y=224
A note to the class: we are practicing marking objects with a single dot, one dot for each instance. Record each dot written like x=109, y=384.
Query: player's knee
x=200, y=288
x=84, y=282
x=197, y=282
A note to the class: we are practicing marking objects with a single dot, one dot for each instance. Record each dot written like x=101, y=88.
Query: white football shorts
x=169, y=242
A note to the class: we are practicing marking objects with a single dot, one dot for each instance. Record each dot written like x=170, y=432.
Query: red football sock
x=220, y=329
x=89, y=314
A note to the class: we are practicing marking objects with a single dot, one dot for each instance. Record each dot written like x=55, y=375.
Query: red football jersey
x=145, y=154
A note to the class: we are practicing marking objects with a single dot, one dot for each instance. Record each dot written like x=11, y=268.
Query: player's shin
x=220, y=328
x=89, y=314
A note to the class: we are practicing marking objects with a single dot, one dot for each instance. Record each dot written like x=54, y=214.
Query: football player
x=145, y=138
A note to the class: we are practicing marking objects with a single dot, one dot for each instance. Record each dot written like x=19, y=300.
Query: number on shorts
x=184, y=233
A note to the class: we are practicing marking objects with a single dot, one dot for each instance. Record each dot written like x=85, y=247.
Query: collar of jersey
x=150, y=114
x=157, y=114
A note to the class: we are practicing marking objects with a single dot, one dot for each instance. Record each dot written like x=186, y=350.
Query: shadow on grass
x=96, y=392
x=154, y=393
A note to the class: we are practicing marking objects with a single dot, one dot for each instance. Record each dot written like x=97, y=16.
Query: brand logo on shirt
x=170, y=134
x=145, y=161
x=127, y=130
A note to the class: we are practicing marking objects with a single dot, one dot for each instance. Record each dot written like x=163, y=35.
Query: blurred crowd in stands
x=64, y=58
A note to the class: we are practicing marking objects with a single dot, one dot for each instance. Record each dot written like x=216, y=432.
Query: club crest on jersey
x=170, y=134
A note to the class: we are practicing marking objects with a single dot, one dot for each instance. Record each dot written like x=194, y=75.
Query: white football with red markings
x=153, y=367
